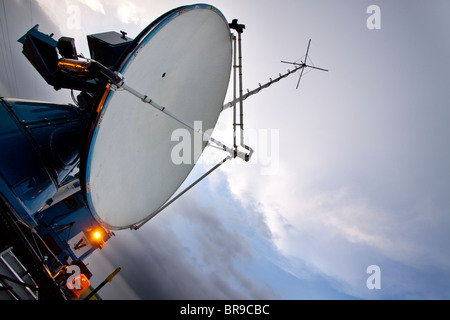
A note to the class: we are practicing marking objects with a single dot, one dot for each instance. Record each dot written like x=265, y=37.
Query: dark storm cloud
x=158, y=265
x=223, y=247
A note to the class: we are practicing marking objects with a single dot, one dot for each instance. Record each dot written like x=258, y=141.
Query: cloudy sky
x=351, y=170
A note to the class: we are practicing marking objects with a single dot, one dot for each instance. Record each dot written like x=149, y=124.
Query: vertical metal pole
x=235, y=66
x=101, y=285
x=241, y=102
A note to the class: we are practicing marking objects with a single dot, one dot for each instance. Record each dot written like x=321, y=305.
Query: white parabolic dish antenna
x=183, y=63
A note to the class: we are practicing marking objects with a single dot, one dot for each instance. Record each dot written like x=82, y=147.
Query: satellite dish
x=184, y=63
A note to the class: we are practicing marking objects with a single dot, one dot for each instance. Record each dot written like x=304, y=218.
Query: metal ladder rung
x=16, y=271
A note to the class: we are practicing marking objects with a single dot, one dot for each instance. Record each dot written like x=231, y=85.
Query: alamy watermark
x=266, y=142
x=374, y=20
x=374, y=280
x=73, y=282
x=73, y=17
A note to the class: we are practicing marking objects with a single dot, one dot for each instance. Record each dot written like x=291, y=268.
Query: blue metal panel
x=40, y=144
x=29, y=112
x=66, y=219
x=58, y=130
x=38, y=35
x=21, y=166
x=20, y=211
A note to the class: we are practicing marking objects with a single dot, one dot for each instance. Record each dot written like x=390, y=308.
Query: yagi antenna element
x=298, y=66
x=303, y=64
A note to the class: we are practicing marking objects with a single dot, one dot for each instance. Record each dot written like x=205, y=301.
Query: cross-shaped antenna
x=303, y=65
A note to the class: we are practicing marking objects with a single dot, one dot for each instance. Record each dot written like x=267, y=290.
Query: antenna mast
x=239, y=29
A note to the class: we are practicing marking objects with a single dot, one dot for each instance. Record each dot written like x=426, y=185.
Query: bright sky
x=351, y=170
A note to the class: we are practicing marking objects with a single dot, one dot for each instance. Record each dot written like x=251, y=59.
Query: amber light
x=73, y=65
x=83, y=284
x=95, y=237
